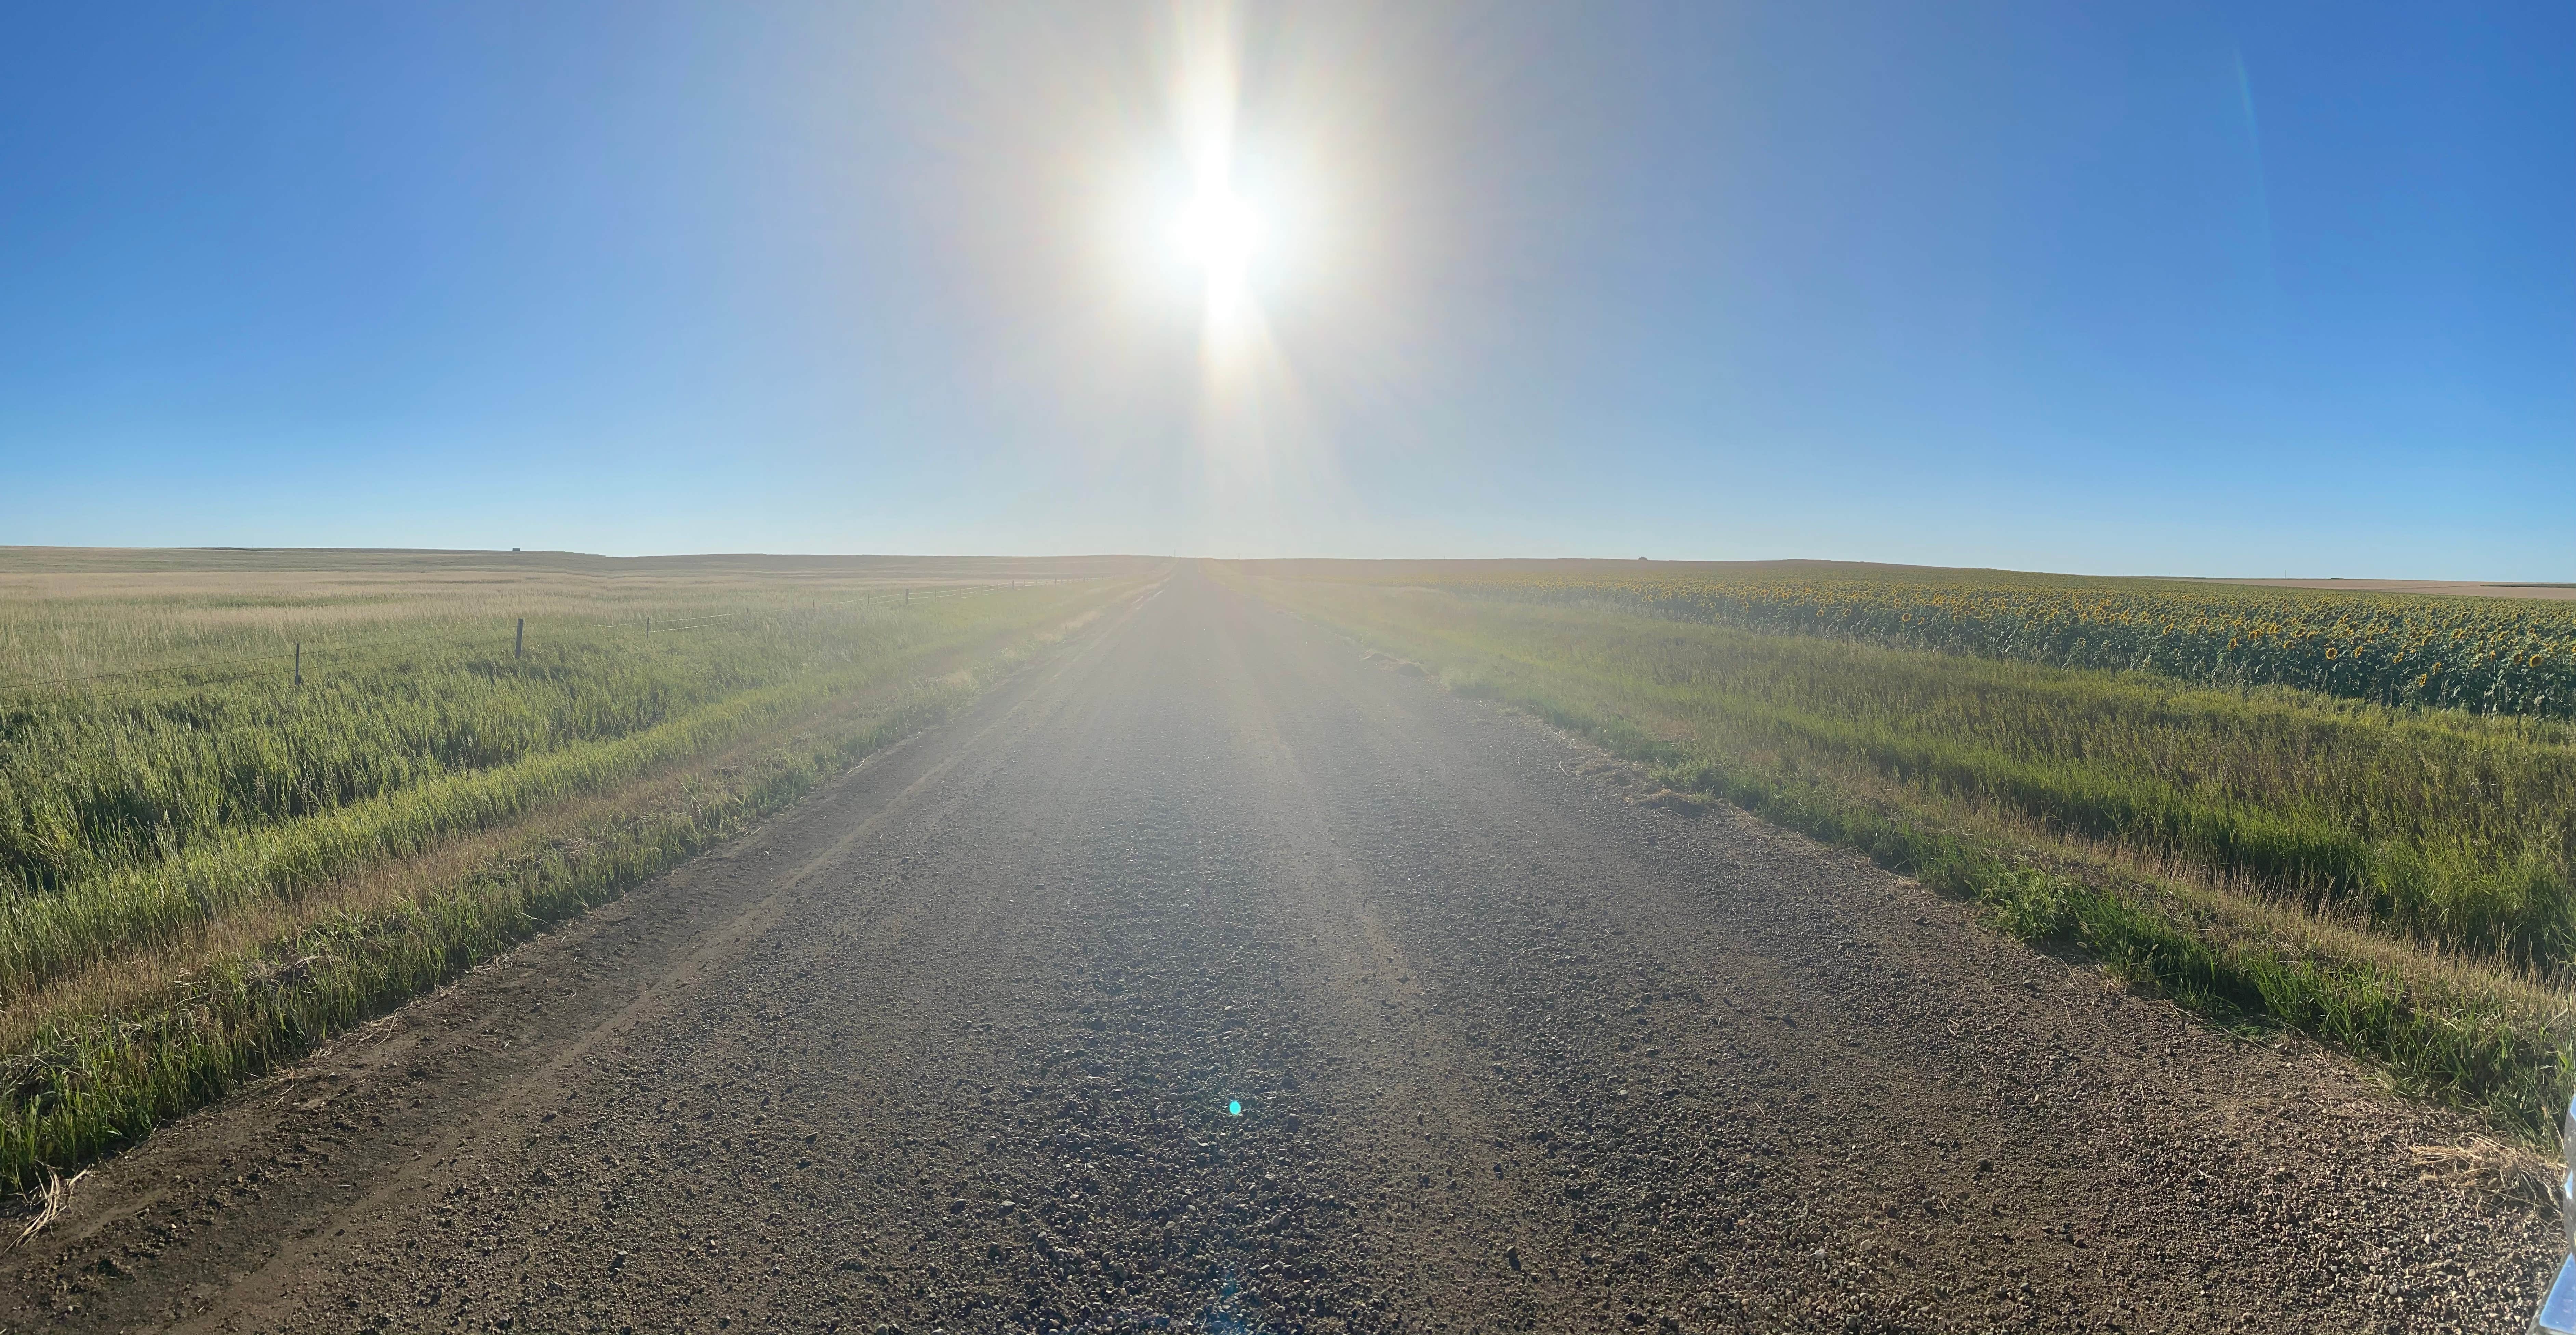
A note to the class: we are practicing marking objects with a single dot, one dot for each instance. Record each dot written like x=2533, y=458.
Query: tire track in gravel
x=952, y=1048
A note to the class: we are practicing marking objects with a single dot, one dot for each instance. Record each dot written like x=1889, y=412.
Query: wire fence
x=291, y=661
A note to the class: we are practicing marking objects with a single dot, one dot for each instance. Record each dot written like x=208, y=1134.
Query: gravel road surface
x=1210, y=976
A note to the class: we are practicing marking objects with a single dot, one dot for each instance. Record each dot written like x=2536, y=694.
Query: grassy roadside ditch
x=178, y=965
x=2143, y=822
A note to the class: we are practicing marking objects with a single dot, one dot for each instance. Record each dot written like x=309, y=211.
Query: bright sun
x=1220, y=236
x=1224, y=241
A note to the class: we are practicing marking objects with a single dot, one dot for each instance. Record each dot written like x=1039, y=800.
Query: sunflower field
x=2490, y=656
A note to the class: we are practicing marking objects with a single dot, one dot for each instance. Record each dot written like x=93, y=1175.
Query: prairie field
x=2256, y=800
x=248, y=798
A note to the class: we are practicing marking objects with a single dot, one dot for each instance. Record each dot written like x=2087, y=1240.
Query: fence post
x=299, y=662
x=519, y=641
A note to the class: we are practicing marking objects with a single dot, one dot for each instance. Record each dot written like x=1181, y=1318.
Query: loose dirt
x=1212, y=978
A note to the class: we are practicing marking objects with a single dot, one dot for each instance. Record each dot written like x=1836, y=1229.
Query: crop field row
x=200, y=854
x=2401, y=879
x=2496, y=656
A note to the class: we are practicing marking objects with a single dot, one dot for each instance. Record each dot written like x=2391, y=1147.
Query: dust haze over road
x=954, y=1047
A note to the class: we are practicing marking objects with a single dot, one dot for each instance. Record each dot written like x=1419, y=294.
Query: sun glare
x=1220, y=236
x=1214, y=236
x=1216, y=222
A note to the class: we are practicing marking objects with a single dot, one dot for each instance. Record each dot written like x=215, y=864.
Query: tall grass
x=180, y=819
x=89, y=1082
x=2395, y=879
x=95, y=783
x=233, y=850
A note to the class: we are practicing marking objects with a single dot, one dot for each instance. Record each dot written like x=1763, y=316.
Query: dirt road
x=958, y=1046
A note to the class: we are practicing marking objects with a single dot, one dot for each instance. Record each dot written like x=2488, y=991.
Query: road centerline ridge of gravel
x=1209, y=976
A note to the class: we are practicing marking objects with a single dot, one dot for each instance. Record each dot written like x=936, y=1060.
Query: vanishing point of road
x=1210, y=976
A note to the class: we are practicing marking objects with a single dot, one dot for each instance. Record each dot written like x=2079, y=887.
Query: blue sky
x=2158, y=288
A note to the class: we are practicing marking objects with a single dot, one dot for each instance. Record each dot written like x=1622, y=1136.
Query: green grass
x=126, y=820
x=236, y=831
x=2396, y=880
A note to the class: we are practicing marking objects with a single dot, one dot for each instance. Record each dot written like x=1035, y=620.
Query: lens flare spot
x=1234, y=1108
